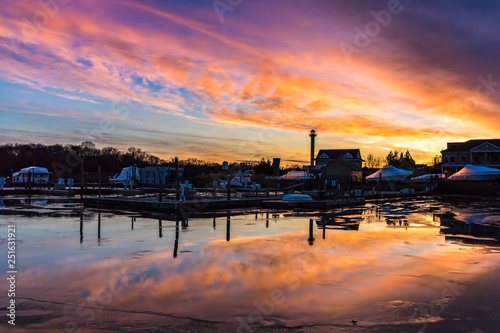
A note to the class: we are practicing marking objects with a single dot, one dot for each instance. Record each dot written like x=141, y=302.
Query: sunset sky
x=240, y=80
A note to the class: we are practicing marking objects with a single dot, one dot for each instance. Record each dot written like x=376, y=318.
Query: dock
x=197, y=205
x=211, y=204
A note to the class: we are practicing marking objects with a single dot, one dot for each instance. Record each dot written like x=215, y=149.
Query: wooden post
x=160, y=229
x=378, y=184
x=214, y=223
x=228, y=227
x=177, y=181
x=323, y=220
x=99, y=227
x=83, y=174
x=81, y=228
x=160, y=198
x=29, y=180
x=99, y=179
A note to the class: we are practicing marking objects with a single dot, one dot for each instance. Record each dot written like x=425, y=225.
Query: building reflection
x=467, y=232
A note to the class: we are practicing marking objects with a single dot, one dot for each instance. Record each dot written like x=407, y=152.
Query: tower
x=312, y=134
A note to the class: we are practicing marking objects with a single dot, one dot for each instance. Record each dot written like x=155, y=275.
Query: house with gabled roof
x=343, y=165
x=326, y=156
x=483, y=152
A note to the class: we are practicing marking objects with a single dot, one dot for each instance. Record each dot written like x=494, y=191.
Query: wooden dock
x=315, y=204
x=210, y=204
x=152, y=204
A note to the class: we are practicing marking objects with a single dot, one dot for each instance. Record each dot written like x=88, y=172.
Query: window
x=446, y=159
x=464, y=159
x=452, y=159
x=476, y=159
x=495, y=158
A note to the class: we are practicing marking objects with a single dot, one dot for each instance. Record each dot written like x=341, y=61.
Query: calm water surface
x=383, y=265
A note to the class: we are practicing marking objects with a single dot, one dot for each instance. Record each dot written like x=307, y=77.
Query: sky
x=242, y=80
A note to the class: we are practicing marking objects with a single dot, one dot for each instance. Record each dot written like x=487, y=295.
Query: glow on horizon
x=174, y=79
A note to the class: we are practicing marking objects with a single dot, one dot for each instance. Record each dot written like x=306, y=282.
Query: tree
x=409, y=158
x=370, y=161
x=264, y=167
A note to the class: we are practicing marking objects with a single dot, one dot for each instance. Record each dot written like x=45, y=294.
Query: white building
x=152, y=175
x=38, y=175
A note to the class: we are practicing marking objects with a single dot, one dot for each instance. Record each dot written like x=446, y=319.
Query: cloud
x=288, y=74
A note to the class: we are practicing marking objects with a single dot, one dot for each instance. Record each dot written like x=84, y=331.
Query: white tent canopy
x=478, y=173
x=294, y=174
x=428, y=177
x=389, y=173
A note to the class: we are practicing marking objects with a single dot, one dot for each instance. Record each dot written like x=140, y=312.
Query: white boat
x=243, y=179
x=296, y=197
x=125, y=176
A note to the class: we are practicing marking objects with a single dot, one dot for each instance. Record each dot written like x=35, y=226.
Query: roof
x=468, y=145
x=346, y=164
x=32, y=169
x=389, y=173
x=336, y=153
x=474, y=172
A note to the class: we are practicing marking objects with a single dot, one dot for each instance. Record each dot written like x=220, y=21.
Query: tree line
x=64, y=161
x=395, y=158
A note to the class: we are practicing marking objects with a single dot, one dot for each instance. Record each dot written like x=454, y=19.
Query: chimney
x=312, y=134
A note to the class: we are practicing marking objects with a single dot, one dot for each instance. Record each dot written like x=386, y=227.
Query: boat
x=297, y=197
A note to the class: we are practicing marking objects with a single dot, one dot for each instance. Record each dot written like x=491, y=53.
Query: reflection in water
x=81, y=227
x=310, y=240
x=364, y=260
x=99, y=227
x=228, y=227
x=176, y=243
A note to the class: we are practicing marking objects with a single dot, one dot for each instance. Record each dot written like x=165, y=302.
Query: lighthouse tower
x=312, y=134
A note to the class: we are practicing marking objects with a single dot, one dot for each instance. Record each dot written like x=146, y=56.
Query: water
x=389, y=267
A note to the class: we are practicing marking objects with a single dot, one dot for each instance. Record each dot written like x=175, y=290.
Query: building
x=343, y=171
x=484, y=152
x=33, y=175
x=343, y=165
x=326, y=156
x=152, y=175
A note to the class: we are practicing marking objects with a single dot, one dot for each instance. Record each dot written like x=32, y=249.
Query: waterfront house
x=342, y=165
x=485, y=152
x=343, y=171
x=326, y=156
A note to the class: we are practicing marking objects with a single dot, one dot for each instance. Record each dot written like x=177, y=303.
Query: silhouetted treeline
x=65, y=161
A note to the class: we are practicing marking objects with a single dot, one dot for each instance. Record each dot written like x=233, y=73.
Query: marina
x=218, y=271
x=249, y=166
